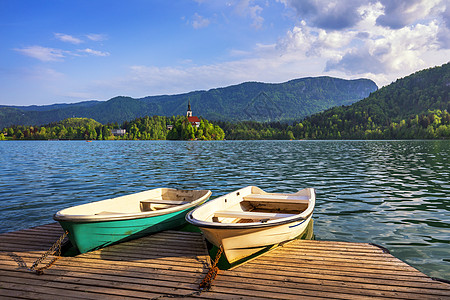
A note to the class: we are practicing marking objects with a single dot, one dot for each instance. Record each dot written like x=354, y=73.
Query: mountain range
x=288, y=101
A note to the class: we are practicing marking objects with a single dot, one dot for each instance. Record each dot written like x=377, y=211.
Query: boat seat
x=277, y=198
x=162, y=201
x=250, y=215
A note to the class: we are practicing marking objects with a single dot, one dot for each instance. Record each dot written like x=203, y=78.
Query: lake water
x=392, y=193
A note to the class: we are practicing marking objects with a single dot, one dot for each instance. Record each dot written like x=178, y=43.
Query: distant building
x=169, y=127
x=195, y=121
x=118, y=132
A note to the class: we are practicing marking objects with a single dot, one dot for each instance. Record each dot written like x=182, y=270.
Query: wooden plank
x=242, y=290
x=287, y=253
x=41, y=233
x=352, y=269
x=330, y=282
x=15, y=291
x=47, y=228
x=75, y=269
x=318, y=247
x=151, y=276
x=197, y=266
x=29, y=242
x=126, y=279
x=317, y=270
x=193, y=265
x=318, y=289
x=180, y=265
x=344, y=276
x=369, y=263
x=71, y=289
x=4, y=241
x=143, y=271
x=331, y=244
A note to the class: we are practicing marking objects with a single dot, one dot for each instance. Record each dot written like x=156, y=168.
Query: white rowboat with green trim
x=99, y=224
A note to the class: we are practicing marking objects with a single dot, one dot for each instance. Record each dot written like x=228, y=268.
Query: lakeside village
x=146, y=128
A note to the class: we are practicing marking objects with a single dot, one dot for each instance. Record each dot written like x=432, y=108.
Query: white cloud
x=68, y=38
x=96, y=37
x=398, y=14
x=310, y=41
x=366, y=48
x=327, y=14
x=93, y=52
x=389, y=51
x=43, y=53
x=51, y=54
x=248, y=8
x=199, y=21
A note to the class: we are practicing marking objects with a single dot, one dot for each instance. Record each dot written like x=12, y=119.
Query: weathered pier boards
x=172, y=264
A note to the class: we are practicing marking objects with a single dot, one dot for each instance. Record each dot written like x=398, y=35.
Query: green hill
x=77, y=122
x=416, y=106
x=292, y=100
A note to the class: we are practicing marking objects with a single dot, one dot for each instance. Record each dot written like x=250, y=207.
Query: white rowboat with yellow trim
x=248, y=220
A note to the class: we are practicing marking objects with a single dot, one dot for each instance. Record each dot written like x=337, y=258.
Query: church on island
x=195, y=121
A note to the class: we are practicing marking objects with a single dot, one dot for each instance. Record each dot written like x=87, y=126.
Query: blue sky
x=58, y=51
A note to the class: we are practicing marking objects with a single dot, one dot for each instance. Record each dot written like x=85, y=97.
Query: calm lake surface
x=392, y=193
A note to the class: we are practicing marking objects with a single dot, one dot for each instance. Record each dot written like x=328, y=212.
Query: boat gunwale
x=93, y=218
x=231, y=226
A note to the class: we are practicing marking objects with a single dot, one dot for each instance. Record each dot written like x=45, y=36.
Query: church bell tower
x=189, y=111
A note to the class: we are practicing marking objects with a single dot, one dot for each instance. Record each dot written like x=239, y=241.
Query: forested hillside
x=263, y=102
x=416, y=106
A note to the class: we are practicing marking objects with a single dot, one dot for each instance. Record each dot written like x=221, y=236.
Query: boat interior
x=169, y=198
x=146, y=201
x=262, y=208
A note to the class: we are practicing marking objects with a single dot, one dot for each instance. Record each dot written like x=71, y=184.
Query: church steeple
x=189, y=111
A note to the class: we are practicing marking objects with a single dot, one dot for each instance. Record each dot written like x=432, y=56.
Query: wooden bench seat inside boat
x=277, y=198
x=162, y=201
x=249, y=215
x=156, y=204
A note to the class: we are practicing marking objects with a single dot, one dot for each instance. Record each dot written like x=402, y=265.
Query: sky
x=60, y=51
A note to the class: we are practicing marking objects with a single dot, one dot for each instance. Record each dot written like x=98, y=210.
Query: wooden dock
x=171, y=265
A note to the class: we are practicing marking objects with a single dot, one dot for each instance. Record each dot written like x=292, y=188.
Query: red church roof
x=194, y=119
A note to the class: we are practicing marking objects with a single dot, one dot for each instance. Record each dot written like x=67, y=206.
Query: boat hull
x=238, y=243
x=88, y=236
